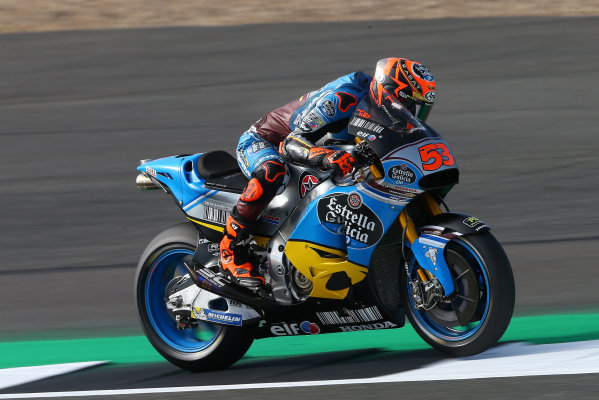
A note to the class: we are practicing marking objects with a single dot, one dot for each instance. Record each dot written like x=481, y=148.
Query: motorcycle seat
x=217, y=163
x=221, y=171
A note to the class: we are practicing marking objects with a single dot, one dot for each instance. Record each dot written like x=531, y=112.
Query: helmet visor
x=423, y=109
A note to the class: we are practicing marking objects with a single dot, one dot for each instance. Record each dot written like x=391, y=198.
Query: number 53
x=432, y=158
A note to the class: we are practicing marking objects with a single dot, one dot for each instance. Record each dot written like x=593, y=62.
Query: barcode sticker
x=215, y=215
x=364, y=124
x=350, y=316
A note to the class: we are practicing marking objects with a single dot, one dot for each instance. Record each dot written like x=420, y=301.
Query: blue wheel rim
x=167, y=266
x=456, y=334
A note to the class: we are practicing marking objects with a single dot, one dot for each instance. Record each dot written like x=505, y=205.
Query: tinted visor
x=420, y=109
x=423, y=109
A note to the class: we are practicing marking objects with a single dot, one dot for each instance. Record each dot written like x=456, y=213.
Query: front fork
x=428, y=249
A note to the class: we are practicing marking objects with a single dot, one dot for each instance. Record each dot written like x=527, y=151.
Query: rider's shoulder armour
x=333, y=102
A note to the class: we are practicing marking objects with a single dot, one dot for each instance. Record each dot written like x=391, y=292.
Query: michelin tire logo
x=218, y=317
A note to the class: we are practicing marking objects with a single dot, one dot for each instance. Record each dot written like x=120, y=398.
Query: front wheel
x=477, y=314
x=203, y=347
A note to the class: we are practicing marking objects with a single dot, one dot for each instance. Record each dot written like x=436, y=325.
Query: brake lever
x=357, y=176
x=365, y=157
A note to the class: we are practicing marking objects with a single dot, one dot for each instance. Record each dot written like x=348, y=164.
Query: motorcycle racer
x=290, y=134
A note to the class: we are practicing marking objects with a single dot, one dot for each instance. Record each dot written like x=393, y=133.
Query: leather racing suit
x=287, y=133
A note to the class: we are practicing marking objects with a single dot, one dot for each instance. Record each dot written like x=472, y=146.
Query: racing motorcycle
x=339, y=254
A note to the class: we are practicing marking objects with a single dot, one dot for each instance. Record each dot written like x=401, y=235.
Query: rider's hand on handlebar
x=341, y=162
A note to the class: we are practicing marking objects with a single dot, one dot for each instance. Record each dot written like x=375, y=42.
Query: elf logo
x=284, y=329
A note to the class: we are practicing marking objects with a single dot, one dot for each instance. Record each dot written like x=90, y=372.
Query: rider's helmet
x=406, y=81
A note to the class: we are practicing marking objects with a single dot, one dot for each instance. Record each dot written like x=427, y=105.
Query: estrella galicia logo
x=340, y=212
x=401, y=174
x=307, y=181
x=354, y=200
x=328, y=108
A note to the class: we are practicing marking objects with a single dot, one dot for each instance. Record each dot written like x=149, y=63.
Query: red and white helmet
x=406, y=81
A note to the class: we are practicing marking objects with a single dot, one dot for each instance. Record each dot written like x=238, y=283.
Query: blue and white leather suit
x=322, y=112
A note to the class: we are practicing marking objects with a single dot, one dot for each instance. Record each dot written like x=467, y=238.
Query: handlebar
x=365, y=157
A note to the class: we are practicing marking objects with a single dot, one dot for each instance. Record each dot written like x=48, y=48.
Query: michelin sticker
x=216, y=316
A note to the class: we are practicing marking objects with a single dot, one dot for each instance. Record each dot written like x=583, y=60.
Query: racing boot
x=234, y=253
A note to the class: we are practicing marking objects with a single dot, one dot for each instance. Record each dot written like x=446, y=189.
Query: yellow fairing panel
x=318, y=263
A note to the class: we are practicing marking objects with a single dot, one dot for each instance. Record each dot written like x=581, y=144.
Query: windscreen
x=388, y=127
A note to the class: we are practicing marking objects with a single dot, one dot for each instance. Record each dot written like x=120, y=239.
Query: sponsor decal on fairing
x=286, y=329
x=216, y=316
x=306, y=182
x=350, y=316
x=475, y=223
x=216, y=215
x=151, y=171
x=347, y=213
x=401, y=174
x=366, y=135
x=209, y=278
x=271, y=219
x=367, y=327
x=361, y=123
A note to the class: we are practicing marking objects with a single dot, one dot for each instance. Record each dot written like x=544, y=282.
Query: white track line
x=510, y=360
x=19, y=376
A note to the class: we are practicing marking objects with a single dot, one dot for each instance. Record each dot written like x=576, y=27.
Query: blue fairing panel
x=180, y=175
x=429, y=251
x=349, y=220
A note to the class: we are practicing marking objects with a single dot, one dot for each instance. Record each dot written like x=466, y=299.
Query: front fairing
x=387, y=127
x=351, y=220
x=414, y=157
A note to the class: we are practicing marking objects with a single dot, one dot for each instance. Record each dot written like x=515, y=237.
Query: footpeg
x=248, y=282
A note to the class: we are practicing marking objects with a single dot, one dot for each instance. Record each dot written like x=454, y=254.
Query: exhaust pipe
x=143, y=182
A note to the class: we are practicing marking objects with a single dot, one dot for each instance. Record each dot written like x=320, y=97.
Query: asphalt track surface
x=517, y=101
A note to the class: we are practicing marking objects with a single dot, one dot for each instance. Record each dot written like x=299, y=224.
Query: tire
x=484, y=297
x=208, y=346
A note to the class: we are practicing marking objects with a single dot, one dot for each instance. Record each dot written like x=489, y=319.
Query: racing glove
x=341, y=162
x=298, y=149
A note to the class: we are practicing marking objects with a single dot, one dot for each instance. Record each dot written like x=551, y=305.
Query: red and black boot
x=234, y=253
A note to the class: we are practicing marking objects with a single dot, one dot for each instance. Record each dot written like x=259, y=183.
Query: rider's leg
x=267, y=171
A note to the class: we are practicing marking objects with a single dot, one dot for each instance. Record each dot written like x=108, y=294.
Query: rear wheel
x=477, y=314
x=204, y=346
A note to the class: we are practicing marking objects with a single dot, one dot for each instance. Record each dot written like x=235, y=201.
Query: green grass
x=136, y=349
